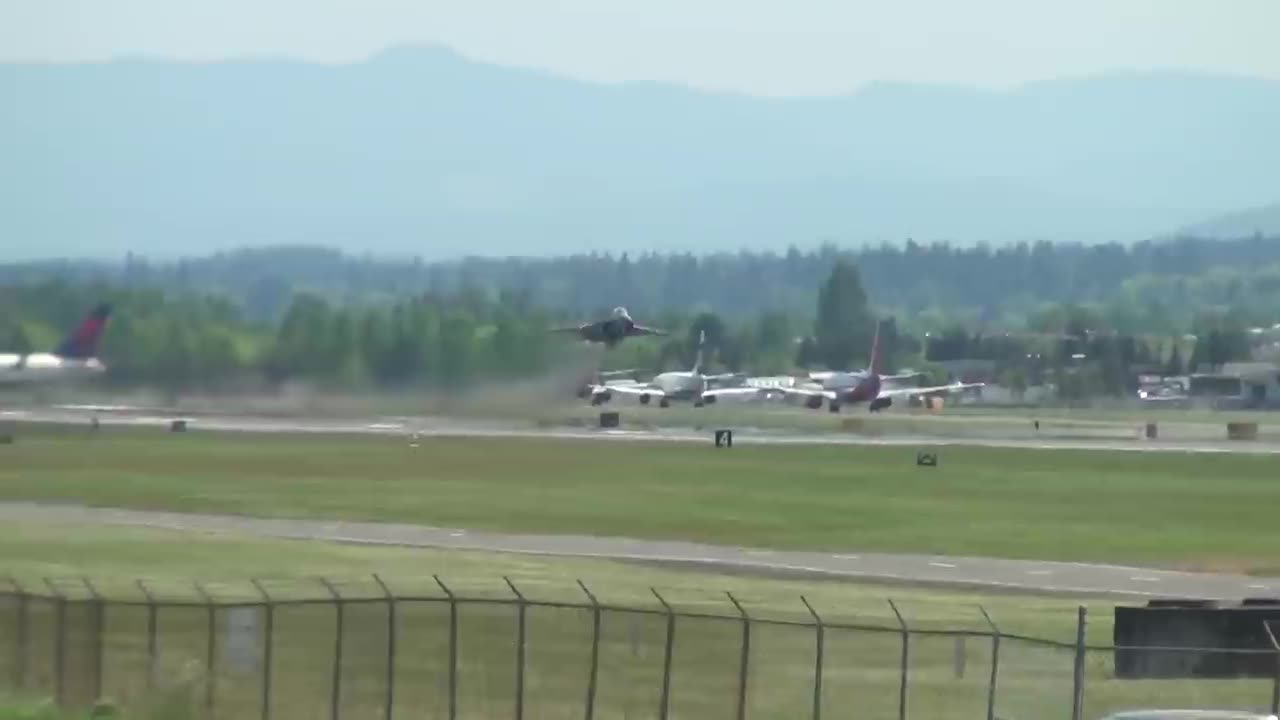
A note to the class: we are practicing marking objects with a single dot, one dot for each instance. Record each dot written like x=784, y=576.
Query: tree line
x=470, y=333
x=1156, y=286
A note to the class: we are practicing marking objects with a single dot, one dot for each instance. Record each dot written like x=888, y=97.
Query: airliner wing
x=636, y=389
x=908, y=392
x=737, y=393
x=808, y=391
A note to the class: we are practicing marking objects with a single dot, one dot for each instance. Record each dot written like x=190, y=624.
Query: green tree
x=843, y=326
x=17, y=340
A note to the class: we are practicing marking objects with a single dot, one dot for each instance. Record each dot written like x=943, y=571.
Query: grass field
x=861, y=670
x=1174, y=509
x=1170, y=509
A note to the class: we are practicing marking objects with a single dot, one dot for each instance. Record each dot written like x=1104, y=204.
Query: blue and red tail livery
x=82, y=343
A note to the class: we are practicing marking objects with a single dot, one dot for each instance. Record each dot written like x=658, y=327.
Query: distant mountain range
x=1244, y=223
x=419, y=151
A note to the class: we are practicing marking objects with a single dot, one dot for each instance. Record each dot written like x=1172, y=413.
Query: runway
x=455, y=427
x=958, y=572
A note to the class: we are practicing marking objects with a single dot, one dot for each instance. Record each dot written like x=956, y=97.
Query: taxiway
x=966, y=572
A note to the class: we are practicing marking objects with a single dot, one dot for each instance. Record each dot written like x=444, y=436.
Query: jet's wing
x=907, y=392
x=570, y=328
x=642, y=330
x=808, y=391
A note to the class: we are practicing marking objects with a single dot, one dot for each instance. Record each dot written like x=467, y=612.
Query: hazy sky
x=760, y=46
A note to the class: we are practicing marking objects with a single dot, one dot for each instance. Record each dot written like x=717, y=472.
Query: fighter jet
x=611, y=331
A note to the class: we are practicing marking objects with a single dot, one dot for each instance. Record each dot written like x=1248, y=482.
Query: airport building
x=1239, y=385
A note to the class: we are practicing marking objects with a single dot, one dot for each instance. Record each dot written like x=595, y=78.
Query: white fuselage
x=45, y=367
x=841, y=380
x=683, y=385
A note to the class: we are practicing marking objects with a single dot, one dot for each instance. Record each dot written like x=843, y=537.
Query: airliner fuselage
x=18, y=369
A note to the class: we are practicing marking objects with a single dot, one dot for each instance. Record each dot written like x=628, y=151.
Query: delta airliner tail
x=75, y=357
x=83, y=342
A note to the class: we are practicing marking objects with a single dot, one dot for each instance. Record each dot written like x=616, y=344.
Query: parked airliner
x=684, y=385
x=844, y=388
x=75, y=358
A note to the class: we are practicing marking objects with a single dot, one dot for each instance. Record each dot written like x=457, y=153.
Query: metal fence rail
x=372, y=652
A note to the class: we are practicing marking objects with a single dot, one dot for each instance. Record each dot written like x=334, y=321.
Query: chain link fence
x=264, y=651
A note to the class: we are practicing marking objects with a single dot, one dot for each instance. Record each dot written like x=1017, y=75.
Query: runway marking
x=1259, y=587
x=1039, y=572
x=1145, y=578
x=846, y=557
x=942, y=565
x=457, y=533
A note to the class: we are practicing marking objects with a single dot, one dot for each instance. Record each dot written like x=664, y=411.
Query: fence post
x=664, y=705
x=453, y=648
x=268, y=645
x=743, y=666
x=595, y=652
x=99, y=629
x=391, y=645
x=335, y=684
x=152, y=627
x=1275, y=682
x=995, y=663
x=906, y=661
x=818, y=654
x=521, y=637
x=21, y=633
x=212, y=648
x=1077, y=700
x=59, y=642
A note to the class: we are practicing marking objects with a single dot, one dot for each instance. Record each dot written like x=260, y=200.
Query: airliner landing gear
x=664, y=403
x=834, y=406
x=644, y=399
x=879, y=404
